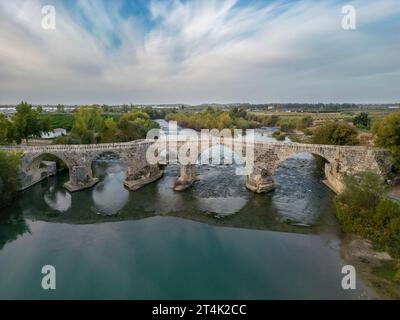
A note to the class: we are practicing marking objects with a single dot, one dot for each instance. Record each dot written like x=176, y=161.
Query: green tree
x=108, y=131
x=305, y=122
x=60, y=108
x=27, y=122
x=135, y=125
x=7, y=131
x=362, y=120
x=336, y=133
x=87, y=123
x=387, y=135
x=9, y=177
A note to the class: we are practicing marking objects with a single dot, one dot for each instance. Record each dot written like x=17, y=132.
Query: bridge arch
x=291, y=155
x=104, y=158
x=304, y=164
x=34, y=167
x=34, y=162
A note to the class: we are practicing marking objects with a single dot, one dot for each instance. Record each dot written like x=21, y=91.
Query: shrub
x=387, y=134
x=336, y=133
x=9, y=177
x=362, y=209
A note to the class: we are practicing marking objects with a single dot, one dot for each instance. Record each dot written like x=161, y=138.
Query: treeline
x=65, y=120
x=86, y=125
x=91, y=126
x=212, y=118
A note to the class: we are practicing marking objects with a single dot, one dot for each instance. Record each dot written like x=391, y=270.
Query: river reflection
x=58, y=198
x=109, y=195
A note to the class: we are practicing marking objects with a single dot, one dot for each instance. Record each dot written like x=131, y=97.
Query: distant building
x=58, y=132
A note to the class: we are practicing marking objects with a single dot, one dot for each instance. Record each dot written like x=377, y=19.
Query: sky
x=199, y=51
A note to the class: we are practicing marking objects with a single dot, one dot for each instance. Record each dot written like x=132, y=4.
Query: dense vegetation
x=91, y=126
x=9, y=177
x=60, y=120
x=387, y=133
x=212, y=118
x=7, y=131
x=363, y=210
x=26, y=123
x=335, y=133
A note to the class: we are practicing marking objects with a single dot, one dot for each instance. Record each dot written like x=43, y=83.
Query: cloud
x=199, y=51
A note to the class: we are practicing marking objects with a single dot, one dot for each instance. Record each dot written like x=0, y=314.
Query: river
x=214, y=241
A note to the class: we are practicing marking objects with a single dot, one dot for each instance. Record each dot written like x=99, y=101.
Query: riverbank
x=394, y=193
x=373, y=267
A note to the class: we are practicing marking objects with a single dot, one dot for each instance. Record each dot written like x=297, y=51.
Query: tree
x=60, y=108
x=27, y=122
x=304, y=122
x=224, y=121
x=125, y=108
x=135, y=125
x=87, y=123
x=9, y=177
x=362, y=121
x=109, y=131
x=238, y=113
x=336, y=133
x=7, y=131
x=387, y=135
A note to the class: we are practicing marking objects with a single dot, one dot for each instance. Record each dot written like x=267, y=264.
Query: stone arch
x=34, y=169
x=287, y=156
x=107, y=155
x=267, y=160
x=33, y=162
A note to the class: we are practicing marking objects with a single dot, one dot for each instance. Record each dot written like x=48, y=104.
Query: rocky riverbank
x=372, y=266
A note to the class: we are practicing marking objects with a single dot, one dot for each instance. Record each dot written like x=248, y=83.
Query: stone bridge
x=266, y=157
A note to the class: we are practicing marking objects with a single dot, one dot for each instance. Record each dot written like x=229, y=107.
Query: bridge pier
x=334, y=178
x=187, y=175
x=137, y=178
x=260, y=180
x=80, y=178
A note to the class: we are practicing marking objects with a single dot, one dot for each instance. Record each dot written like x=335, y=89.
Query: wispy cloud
x=199, y=51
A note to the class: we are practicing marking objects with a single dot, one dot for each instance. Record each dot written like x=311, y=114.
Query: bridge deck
x=127, y=145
